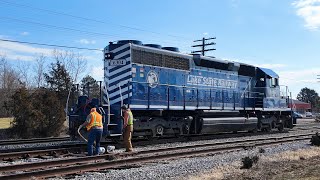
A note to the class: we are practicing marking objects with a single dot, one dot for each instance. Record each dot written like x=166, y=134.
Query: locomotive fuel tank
x=228, y=124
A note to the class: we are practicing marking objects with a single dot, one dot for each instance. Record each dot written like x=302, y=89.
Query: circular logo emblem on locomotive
x=152, y=79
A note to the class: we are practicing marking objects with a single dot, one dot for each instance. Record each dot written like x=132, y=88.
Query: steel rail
x=50, y=151
x=142, y=156
x=62, y=149
x=34, y=140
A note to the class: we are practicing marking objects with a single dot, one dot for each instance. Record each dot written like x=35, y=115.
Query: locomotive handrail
x=120, y=98
x=250, y=96
x=108, y=101
x=247, y=86
x=250, y=99
x=103, y=113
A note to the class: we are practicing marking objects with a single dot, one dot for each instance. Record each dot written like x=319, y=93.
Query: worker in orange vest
x=95, y=128
x=127, y=127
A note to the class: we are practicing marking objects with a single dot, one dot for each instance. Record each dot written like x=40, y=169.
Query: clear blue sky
x=281, y=35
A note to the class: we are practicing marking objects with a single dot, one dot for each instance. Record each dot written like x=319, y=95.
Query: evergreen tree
x=309, y=96
x=59, y=80
x=24, y=114
x=90, y=87
x=37, y=114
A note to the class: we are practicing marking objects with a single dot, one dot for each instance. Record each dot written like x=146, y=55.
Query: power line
x=63, y=28
x=51, y=45
x=58, y=27
x=86, y=19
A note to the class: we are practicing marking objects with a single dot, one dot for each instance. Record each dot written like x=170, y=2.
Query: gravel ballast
x=185, y=167
x=182, y=168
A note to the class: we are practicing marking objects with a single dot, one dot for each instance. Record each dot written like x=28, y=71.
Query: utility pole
x=203, y=45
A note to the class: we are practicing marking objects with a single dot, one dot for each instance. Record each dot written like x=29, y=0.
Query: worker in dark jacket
x=127, y=127
x=94, y=126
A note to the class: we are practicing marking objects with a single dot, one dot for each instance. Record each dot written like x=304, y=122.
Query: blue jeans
x=94, y=135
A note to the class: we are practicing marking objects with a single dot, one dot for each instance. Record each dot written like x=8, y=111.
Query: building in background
x=299, y=106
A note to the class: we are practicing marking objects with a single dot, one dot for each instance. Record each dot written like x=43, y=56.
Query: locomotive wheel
x=281, y=127
x=159, y=130
x=259, y=126
x=185, y=129
x=268, y=129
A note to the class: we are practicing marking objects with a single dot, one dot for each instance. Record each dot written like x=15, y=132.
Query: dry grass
x=300, y=164
x=5, y=122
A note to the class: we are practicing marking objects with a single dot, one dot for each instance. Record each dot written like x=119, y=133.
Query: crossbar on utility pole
x=203, y=45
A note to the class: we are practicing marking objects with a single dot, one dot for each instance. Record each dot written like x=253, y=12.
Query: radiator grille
x=156, y=59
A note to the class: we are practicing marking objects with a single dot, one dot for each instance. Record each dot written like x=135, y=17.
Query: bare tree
x=9, y=82
x=23, y=68
x=3, y=64
x=79, y=67
x=39, y=69
x=75, y=63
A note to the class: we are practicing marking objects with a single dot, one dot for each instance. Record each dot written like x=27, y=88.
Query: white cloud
x=265, y=65
x=205, y=33
x=17, y=56
x=309, y=10
x=270, y=66
x=97, y=72
x=86, y=41
x=24, y=33
x=22, y=48
x=296, y=80
x=20, y=57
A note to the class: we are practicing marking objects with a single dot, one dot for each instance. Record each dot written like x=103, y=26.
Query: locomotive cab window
x=274, y=82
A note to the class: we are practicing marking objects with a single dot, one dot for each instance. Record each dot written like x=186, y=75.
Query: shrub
x=37, y=114
x=247, y=162
x=315, y=140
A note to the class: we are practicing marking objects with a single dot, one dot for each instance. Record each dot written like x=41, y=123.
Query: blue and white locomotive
x=171, y=93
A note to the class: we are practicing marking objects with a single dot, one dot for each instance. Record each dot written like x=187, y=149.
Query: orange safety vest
x=96, y=120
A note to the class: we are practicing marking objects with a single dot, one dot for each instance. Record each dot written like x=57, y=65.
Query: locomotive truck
x=172, y=93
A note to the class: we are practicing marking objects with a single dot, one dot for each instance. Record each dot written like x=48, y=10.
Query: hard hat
x=124, y=107
x=102, y=150
x=110, y=149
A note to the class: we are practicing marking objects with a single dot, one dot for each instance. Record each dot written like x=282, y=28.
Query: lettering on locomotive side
x=213, y=82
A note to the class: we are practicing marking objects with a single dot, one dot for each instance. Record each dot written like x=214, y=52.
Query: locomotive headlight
x=109, y=55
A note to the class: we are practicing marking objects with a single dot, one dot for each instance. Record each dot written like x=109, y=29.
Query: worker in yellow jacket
x=127, y=127
x=94, y=126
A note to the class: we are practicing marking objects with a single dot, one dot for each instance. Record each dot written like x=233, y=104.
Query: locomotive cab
x=268, y=89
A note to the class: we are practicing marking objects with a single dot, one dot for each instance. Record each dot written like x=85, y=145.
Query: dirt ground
x=293, y=165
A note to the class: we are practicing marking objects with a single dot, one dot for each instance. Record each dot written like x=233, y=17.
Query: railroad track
x=108, y=161
x=33, y=141
x=54, y=152
x=80, y=147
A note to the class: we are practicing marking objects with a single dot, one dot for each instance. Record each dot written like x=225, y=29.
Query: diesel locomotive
x=172, y=93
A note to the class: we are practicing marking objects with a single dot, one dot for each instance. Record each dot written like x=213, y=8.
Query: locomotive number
x=118, y=62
